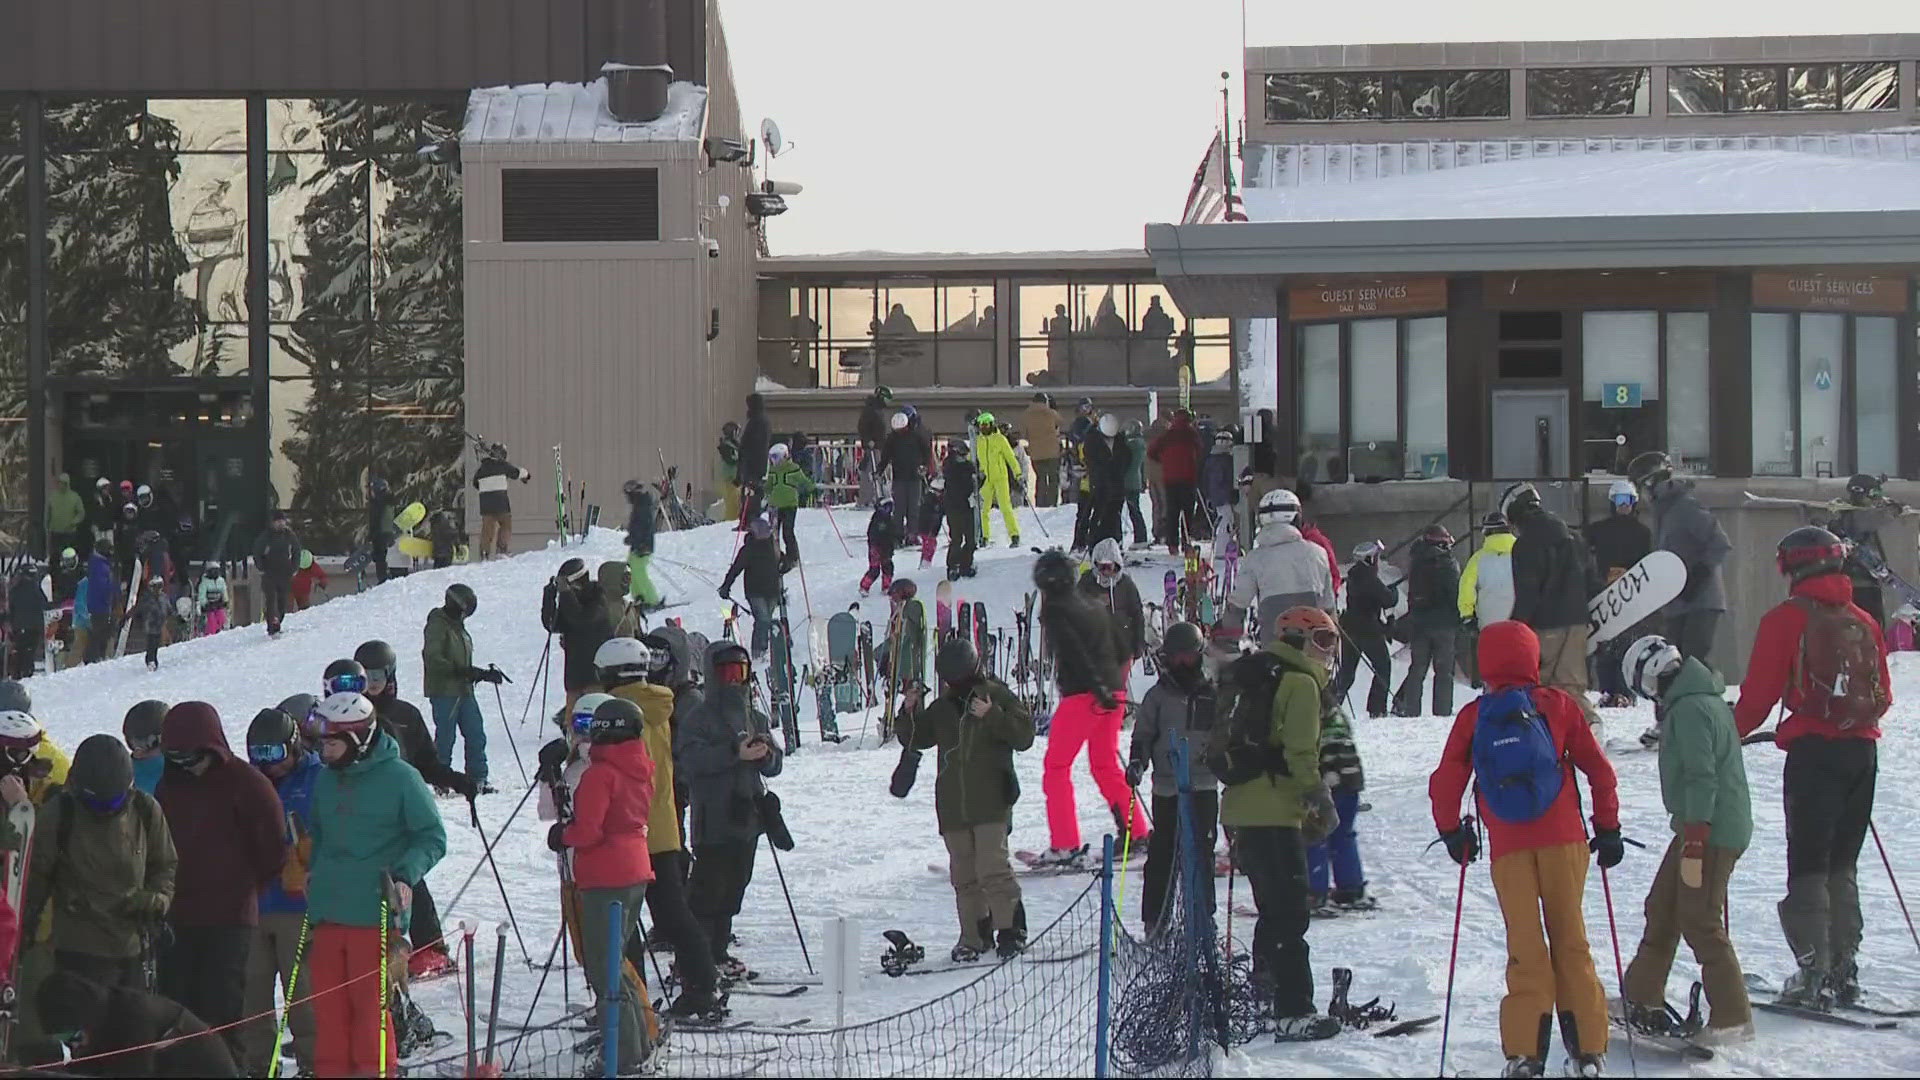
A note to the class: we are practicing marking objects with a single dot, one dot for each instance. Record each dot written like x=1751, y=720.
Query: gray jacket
x=723, y=789
x=1282, y=571
x=1168, y=714
x=1688, y=529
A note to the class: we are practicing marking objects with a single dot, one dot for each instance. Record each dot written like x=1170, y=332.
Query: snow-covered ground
x=864, y=855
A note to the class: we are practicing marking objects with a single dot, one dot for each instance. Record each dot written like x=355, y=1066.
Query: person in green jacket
x=977, y=724
x=447, y=662
x=1703, y=782
x=788, y=487
x=1265, y=817
x=374, y=826
x=66, y=518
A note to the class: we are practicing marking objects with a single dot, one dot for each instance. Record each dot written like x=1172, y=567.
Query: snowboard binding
x=903, y=955
x=1356, y=1017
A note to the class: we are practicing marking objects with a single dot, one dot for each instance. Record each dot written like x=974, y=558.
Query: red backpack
x=1836, y=675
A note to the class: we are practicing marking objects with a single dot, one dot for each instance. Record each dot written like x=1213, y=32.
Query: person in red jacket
x=1539, y=864
x=311, y=576
x=1310, y=532
x=1177, y=451
x=228, y=827
x=1825, y=657
x=607, y=833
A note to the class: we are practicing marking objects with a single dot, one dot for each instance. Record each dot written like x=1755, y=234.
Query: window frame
x=1848, y=438
x=1841, y=75
x=1345, y=369
x=1328, y=94
x=1645, y=71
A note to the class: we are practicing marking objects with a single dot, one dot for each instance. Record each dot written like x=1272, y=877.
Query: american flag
x=1208, y=201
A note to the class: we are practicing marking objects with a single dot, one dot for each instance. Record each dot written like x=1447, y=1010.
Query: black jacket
x=642, y=519
x=409, y=730
x=963, y=480
x=490, y=478
x=756, y=437
x=881, y=530
x=1124, y=611
x=1368, y=601
x=277, y=553
x=873, y=422
x=579, y=615
x=1433, y=586
x=125, y=1025
x=1552, y=576
x=907, y=451
x=1618, y=540
x=759, y=561
x=1107, y=461
x=1081, y=635
x=380, y=519
x=26, y=604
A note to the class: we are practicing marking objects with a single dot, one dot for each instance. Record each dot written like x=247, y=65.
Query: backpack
x=1237, y=750
x=1836, y=675
x=1517, y=768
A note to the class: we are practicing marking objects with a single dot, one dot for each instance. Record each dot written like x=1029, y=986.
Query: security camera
x=712, y=246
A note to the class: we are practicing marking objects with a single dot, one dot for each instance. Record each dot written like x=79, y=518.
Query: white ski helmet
x=20, y=735
x=1622, y=487
x=1109, y=425
x=183, y=607
x=778, y=452
x=582, y=714
x=625, y=659
x=1367, y=550
x=899, y=421
x=1281, y=505
x=1645, y=661
x=347, y=716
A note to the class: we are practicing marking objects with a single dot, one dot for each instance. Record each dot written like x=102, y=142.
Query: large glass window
x=1320, y=446
x=1426, y=397
x=1105, y=333
x=1589, y=91
x=1620, y=387
x=1822, y=373
x=1688, y=399
x=1293, y=97
x=1876, y=372
x=1373, y=420
x=1860, y=87
x=897, y=332
x=1773, y=386
x=1802, y=425
x=1378, y=436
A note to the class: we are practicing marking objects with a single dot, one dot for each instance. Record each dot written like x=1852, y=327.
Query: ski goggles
x=732, y=672
x=1321, y=638
x=346, y=684
x=267, y=753
x=581, y=722
x=1624, y=500
x=186, y=759
x=105, y=804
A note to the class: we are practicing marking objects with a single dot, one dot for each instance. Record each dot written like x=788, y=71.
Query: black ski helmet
x=573, y=571
x=1520, y=500
x=15, y=698
x=1182, y=639
x=1650, y=468
x=616, y=720
x=1863, y=488
x=957, y=662
x=142, y=724
x=344, y=676
x=377, y=655
x=1809, y=550
x=883, y=393
x=271, y=727
x=101, y=773
x=1494, y=522
x=379, y=487
x=460, y=596
x=632, y=490
x=1053, y=571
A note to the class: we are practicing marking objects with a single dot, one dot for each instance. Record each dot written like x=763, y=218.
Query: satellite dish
x=770, y=134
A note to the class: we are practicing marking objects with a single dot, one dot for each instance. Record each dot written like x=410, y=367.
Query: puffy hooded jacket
x=579, y=615
x=1368, y=600
x=975, y=783
x=608, y=832
x=1510, y=656
x=1552, y=575
x=101, y=591
x=101, y=874
x=1170, y=713
x=907, y=451
x=229, y=818
x=1177, y=449
x=1282, y=571
x=446, y=655
x=66, y=511
x=642, y=520
x=372, y=816
x=1486, y=585
x=1082, y=636
x=1124, y=611
x=1273, y=798
x=1042, y=427
x=1702, y=775
x=759, y=560
x=656, y=709
x=724, y=789
x=1776, y=653
x=1433, y=585
x=1688, y=529
x=1216, y=480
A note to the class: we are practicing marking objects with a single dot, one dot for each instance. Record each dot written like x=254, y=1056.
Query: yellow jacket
x=997, y=463
x=656, y=705
x=57, y=762
x=1496, y=551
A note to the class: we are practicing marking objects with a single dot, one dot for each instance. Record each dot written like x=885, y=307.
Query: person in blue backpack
x=1518, y=744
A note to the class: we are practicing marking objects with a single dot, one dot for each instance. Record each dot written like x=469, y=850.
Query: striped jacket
x=491, y=478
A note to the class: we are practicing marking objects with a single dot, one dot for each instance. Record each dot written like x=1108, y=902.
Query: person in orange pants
x=1521, y=741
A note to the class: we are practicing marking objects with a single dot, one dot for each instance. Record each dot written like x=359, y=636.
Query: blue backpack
x=1518, y=769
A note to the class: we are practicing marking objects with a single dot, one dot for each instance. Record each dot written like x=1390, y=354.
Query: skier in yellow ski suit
x=1000, y=469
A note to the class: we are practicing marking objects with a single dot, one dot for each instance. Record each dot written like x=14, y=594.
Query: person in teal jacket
x=788, y=488
x=374, y=827
x=141, y=732
x=1703, y=782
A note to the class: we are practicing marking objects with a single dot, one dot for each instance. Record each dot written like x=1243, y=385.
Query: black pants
x=153, y=645
x=1083, y=515
x=276, y=595
x=906, y=504
x=1141, y=534
x=1429, y=647
x=667, y=905
x=424, y=927
x=26, y=646
x=1828, y=787
x=105, y=970
x=960, y=541
x=787, y=517
x=1163, y=858
x=1274, y=860
x=721, y=873
x=1692, y=633
x=99, y=635
x=1106, y=518
x=205, y=969
x=1183, y=514
x=1371, y=647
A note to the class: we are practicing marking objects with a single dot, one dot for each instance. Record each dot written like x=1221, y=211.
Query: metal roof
x=575, y=113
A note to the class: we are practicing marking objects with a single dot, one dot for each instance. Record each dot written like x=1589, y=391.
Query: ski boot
x=733, y=971
x=1355, y=899
x=430, y=963
x=1807, y=988
x=1309, y=1028
x=1525, y=1067
x=1650, y=738
x=964, y=953
x=698, y=1009
x=1843, y=982
x=1009, y=943
x=1064, y=859
x=1587, y=1065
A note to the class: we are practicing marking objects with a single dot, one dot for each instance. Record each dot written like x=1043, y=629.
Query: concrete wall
x=1392, y=512
x=731, y=287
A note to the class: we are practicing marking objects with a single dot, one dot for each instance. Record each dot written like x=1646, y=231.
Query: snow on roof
x=1584, y=177
x=576, y=113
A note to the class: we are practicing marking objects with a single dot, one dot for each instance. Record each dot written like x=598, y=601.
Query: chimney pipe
x=637, y=71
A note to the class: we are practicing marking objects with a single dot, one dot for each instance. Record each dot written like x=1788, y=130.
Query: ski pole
x=797, y=932
x=1453, y=960
x=386, y=891
x=539, y=987
x=828, y=507
x=499, y=967
x=462, y=891
x=533, y=688
x=1895, y=882
x=473, y=998
x=1619, y=969
x=487, y=857
x=500, y=706
x=293, y=989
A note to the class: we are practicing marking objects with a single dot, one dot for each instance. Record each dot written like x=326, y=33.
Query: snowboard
x=133, y=587
x=843, y=646
x=963, y=621
x=981, y=645
x=1650, y=585
x=943, y=608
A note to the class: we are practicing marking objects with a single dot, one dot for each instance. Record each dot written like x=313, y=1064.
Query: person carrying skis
x=490, y=479
x=449, y=678
x=1521, y=741
x=977, y=725
x=1433, y=597
x=574, y=606
x=374, y=828
x=140, y=729
x=1552, y=580
x=758, y=560
x=277, y=553
x=1267, y=814
x=1178, y=710
x=1617, y=543
x=230, y=833
x=1088, y=714
x=961, y=480
x=909, y=454
x=788, y=488
x=882, y=538
x=1041, y=425
x=1364, y=625
x=1106, y=584
x=1282, y=571
x=276, y=747
x=606, y=833
x=1178, y=452
x=1703, y=783
x=727, y=750
x=643, y=516
x=756, y=438
x=1866, y=511
x=1335, y=874
x=1825, y=659
x=872, y=433
x=1001, y=473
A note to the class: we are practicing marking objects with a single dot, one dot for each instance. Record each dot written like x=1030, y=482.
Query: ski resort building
x=1467, y=263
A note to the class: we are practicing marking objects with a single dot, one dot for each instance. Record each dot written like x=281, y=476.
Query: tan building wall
x=732, y=287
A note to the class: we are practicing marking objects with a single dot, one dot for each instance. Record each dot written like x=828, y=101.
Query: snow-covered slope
x=865, y=855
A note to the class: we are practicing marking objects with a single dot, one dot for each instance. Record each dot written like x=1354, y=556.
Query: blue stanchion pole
x=1103, y=1009
x=610, y=1001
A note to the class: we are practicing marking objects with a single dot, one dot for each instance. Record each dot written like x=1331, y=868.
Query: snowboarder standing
x=882, y=538
x=1171, y=713
x=490, y=478
x=726, y=749
x=788, y=488
x=758, y=560
x=642, y=519
x=1282, y=571
x=574, y=606
x=1687, y=528
x=1364, y=624
x=1177, y=450
x=449, y=675
x=1521, y=741
x=1703, y=783
x=977, y=725
x=1825, y=658
x=1089, y=713
x=1552, y=580
x=277, y=553
x=1433, y=596
x=1001, y=472
x=1106, y=584
x=276, y=747
x=1617, y=543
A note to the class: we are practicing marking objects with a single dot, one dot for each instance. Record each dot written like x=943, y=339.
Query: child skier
x=882, y=538
x=213, y=599
x=1703, y=783
x=642, y=518
x=933, y=508
x=1520, y=740
x=962, y=483
x=1335, y=875
x=759, y=560
x=152, y=612
x=140, y=730
x=1179, y=705
x=978, y=725
x=276, y=747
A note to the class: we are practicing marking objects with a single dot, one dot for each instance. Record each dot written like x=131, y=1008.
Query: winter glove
x=1136, y=767
x=476, y=675
x=1321, y=815
x=1463, y=844
x=1607, y=847
x=553, y=761
x=463, y=785
x=148, y=906
x=1693, y=852
x=496, y=676
x=557, y=838
x=1105, y=699
x=905, y=773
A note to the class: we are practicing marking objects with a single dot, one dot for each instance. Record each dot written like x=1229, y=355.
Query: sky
x=1023, y=125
